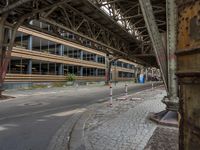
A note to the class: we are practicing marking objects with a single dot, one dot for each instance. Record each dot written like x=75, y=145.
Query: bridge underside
x=115, y=27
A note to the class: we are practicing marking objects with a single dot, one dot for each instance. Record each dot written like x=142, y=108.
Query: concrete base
x=4, y=97
x=166, y=117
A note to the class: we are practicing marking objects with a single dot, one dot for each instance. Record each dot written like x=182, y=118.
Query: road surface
x=30, y=121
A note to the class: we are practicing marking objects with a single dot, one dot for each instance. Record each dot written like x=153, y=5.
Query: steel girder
x=155, y=37
x=129, y=13
x=84, y=28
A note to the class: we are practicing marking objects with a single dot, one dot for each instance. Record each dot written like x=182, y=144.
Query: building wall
x=41, y=57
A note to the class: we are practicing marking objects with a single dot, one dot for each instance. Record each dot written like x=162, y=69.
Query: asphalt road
x=30, y=121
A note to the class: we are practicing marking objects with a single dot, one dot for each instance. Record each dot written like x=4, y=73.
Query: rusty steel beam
x=188, y=72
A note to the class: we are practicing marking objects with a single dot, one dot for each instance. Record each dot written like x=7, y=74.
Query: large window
x=72, y=52
x=22, y=40
x=18, y=66
x=89, y=71
x=125, y=74
x=76, y=70
x=101, y=59
x=89, y=56
x=101, y=72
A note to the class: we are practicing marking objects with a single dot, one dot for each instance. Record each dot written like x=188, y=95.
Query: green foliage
x=58, y=84
x=71, y=77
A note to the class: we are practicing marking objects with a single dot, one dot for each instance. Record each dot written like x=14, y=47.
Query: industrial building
x=38, y=56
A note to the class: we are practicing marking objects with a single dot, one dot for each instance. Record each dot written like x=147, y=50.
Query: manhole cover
x=32, y=104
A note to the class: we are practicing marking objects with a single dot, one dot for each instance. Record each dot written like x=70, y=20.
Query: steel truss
x=129, y=13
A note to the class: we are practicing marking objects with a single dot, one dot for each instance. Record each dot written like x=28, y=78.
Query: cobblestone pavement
x=124, y=126
x=163, y=139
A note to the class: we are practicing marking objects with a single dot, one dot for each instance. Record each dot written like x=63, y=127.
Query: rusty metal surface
x=188, y=46
x=188, y=71
x=189, y=126
x=183, y=3
x=186, y=22
x=194, y=27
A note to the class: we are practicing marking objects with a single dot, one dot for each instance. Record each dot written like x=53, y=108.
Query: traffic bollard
x=111, y=94
x=126, y=89
x=152, y=86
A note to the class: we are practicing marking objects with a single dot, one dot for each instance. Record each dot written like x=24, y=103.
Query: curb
x=61, y=139
x=77, y=136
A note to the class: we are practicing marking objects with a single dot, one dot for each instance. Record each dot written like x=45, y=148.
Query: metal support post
x=126, y=89
x=170, y=115
x=30, y=47
x=30, y=66
x=108, y=70
x=111, y=94
x=172, y=98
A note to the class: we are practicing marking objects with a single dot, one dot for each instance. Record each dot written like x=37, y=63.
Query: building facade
x=40, y=56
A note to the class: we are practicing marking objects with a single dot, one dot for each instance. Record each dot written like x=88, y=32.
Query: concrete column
x=30, y=42
x=96, y=72
x=29, y=67
x=61, y=66
x=81, y=55
x=30, y=47
x=61, y=69
x=81, y=71
x=96, y=58
x=61, y=50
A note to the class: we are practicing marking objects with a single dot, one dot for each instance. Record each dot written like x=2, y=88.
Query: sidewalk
x=125, y=125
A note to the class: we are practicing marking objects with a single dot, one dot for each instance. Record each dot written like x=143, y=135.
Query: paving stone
x=163, y=139
x=125, y=126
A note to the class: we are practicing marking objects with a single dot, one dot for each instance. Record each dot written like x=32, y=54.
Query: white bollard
x=152, y=86
x=126, y=89
x=111, y=94
x=77, y=85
